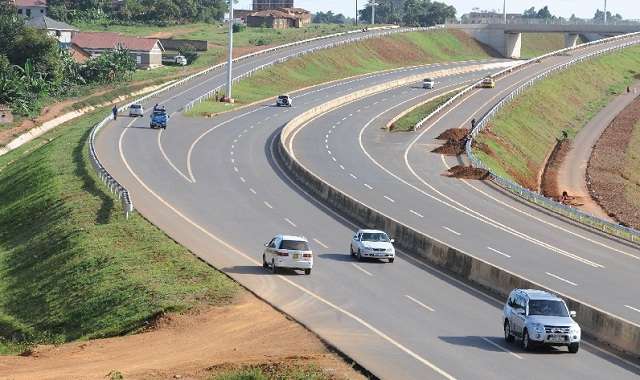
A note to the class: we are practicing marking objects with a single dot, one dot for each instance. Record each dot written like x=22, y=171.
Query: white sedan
x=284, y=251
x=372, y=244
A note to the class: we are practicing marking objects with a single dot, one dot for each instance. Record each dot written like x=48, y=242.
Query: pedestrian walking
x=115, y=111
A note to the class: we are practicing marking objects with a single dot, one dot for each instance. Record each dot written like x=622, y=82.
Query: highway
x=213, y=186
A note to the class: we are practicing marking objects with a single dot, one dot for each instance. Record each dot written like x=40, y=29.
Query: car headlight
x=575, y=330
x=538, y=327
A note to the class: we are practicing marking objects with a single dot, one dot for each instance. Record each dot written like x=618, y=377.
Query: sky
x=629, y=9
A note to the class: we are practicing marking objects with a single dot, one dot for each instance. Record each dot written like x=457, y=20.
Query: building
x=60, y=30
x=5, y=114
x=279, y=18
x=147, y=52
x=78, y=54
x=31, y=8
x=265, y=5
x=490, y=18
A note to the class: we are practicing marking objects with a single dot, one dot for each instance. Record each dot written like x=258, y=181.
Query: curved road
x=212, y=185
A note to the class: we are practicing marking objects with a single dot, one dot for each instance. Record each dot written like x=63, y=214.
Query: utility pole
x=229, y=97
x=605, y=11
x=356, y=12
x=504, y=10
x=373, y=11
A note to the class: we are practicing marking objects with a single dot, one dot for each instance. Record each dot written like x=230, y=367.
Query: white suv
x=284, y=101
x=284, y=251
x=373, y=244
x=539, y=317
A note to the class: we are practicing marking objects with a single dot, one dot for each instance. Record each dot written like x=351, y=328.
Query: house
x=78, y=54
x=279, y=18
x=302, y=15
x=5, y=114
x=60, y=30
x=147, y=52
x=266, y=5
x=31, y=8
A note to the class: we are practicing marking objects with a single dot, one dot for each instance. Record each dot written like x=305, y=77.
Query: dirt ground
x=455, y=142
x=605, y=170
x=468, y=172
x=189, y=346
x=549, y=183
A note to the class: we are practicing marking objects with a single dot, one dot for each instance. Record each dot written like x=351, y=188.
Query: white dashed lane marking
x=389, y=199
x=267, y=204
x=358, y=267
x=416, y=214
x=498, y=252
x=253, y=191
x=290, y=222
x=420, y=303
x=321, y=244
x=452, y=231
x=561, y=279
x=353, y=176
x=368, y=186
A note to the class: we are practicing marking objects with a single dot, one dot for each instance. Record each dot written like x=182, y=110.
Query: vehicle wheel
x=307, y=272
x=264, y=263
x=507, y=332
x=525, y=343
x=574, y=347
x=274, y=269
x=391, y=260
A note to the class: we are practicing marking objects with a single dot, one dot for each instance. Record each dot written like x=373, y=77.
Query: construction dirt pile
x=468, y=172
x=605, y=173
x=194, y=345
x=455, y=142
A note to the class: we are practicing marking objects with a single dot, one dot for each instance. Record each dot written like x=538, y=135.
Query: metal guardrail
x=250, y=73
x=572, y=213
x=123, y=193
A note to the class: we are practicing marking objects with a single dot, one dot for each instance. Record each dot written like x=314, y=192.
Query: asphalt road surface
x=212, y=185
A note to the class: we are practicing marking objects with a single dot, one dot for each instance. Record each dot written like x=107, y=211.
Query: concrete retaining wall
x=171, y=44
x=619, y=334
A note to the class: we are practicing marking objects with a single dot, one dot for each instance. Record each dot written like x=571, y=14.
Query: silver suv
x=539, y=317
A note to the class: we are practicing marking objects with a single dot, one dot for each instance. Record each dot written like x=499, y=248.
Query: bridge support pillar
x=570, y=40
x=512, y=45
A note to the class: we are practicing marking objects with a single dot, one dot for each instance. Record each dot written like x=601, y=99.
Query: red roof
x=109, y=40
x=31, y=3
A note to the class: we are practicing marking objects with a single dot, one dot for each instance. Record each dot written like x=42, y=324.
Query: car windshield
x=548, y=308
x=294, y=245
x=283, y=97
x=375, y=236
x=136, y=106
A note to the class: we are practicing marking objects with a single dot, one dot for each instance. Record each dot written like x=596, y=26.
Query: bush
x=237, y=28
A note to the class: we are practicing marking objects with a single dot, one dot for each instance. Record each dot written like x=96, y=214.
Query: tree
x=439, y=13
x=530, y=13
x=544, y=13
x=599, y=16
x=387, y=12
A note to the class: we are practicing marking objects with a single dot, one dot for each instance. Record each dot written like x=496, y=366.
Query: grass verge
x=417, y=48
x=517, y=142
x=537, y=44
x=71, y=266
x=408, y=122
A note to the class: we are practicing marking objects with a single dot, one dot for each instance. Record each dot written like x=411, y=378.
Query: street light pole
x=356, y=12
x=504, y=10
x=605, y=11
x=229, y=97
x=373, y=12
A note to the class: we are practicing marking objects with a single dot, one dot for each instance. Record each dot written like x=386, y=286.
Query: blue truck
x=159, y=118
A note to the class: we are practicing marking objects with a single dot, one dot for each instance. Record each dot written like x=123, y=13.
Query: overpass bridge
x=507, y=38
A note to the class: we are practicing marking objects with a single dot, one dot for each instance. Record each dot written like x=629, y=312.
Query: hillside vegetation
x=406, y=49
x=517, y=142
x=71, y=266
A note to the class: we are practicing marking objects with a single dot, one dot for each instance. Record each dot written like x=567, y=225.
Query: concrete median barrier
x=619, y=334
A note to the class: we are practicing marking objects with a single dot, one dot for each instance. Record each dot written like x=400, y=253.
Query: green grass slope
x=406, y=49
x=71, y=265
x=537, y=44
x=525, y=131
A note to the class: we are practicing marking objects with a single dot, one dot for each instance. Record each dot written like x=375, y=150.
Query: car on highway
x=537, y=317
x=159, y=118
x=372, y=244
x=428, y=83
x=287, y=251
x=284, y=101
x=136, y=110
x=488, y=82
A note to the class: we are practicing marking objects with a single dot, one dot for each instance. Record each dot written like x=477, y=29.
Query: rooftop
x=110, y=40
x=44, y=22
x=30, y=3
